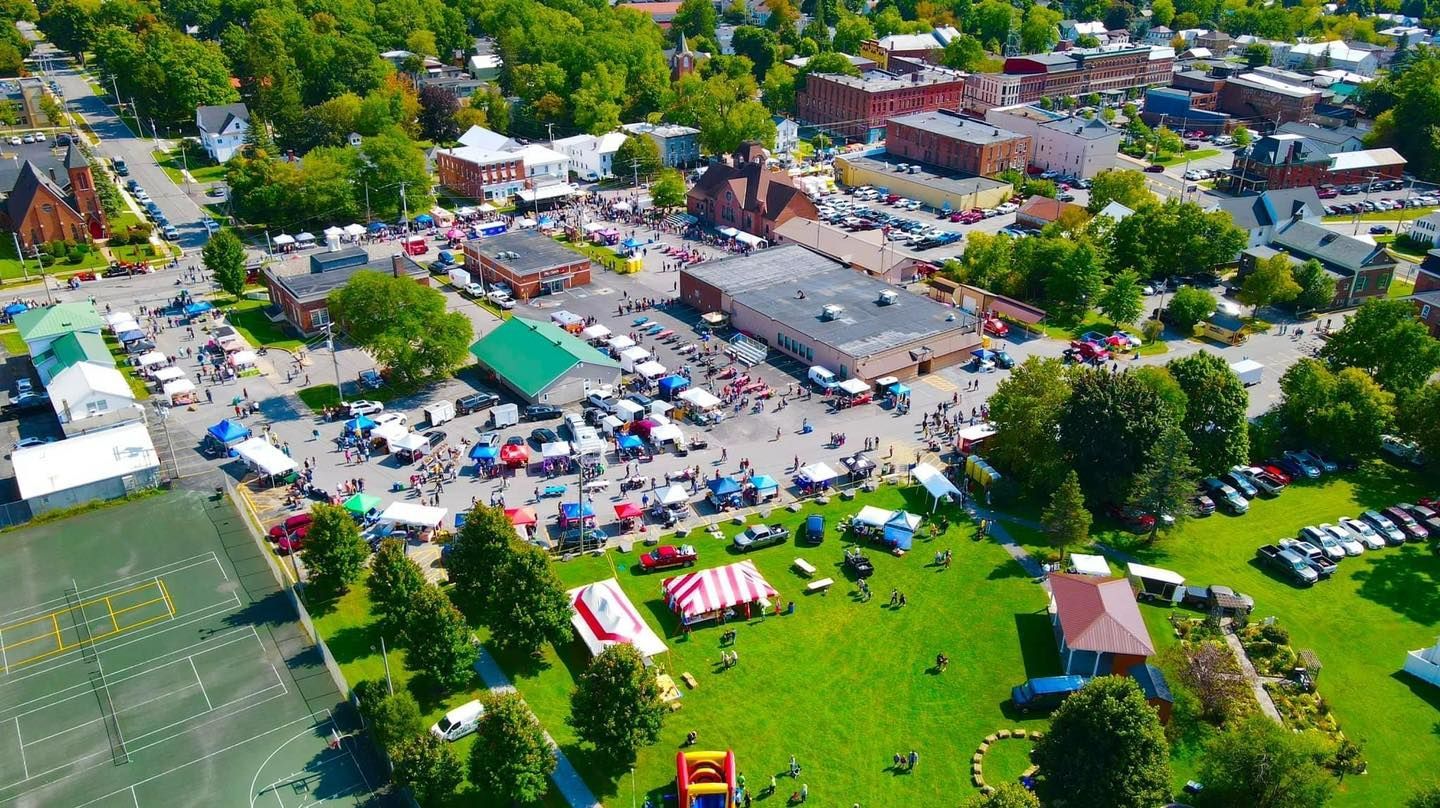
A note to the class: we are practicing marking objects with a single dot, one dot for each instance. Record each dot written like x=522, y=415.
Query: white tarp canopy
x=305, y=237
x=408, y=513
x=284, y=239
x=169, y=374
x=699, y=399
x=1087, y=564
x=667, y=433
x=264, y=458
x=1153, y=573
x=241, y=358
x=651, y=369
x=755, y=242
x=597, y=331
x=658, y=408
x=620, y=342
x=153, y=358
x=389, y=432
x=559, y=448
x=935, y=482
x=674, y=495
x=590, y=443
x=853, y=387
x=334, y=231
x=410, y=442
x=872, y=516
x=119, y=316
x=354, y=230
x=179, y=387
x=124, y=323
x=818, y=473
x=604, y=616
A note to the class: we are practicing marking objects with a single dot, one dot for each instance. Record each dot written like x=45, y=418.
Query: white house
x=488, y=165
x=1425, y=229
x=1261, y=215
x=87, y=396
x=1331, y=54
x=1075, y=146
x=590, y=157
x=222, y=129
x=787, y=134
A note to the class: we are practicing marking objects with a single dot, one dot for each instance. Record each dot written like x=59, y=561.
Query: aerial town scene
x=720, y=403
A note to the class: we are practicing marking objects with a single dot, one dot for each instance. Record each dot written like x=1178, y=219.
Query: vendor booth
x=650, y=370
x=700, y=406
x=514, y=455
x=603, y=616
x=626, y=513
x=264, y=459
x=362, y=505
x=763, y=486
x=359, y=425
x=410, y=447
x=485, y=458
x=620, y=342
x=936, y=483
x=152, y=359
x=815, y=477
x=524, y=520
x=668, y=435
x=895, y=528
x=226, y=435
x=1089, y=564
x=971, y=439
x=674, y=495
x=632, y=357
x=594, y=333
x=418, y=521
x=244, y=363
x=629, y=447
x=715, y=593
x=725, y=493
x=670, y=386
x=858, y=466
x=384, y=438
x=180, y=391
x=575, y=514
x=169, y=374
x=567, y=320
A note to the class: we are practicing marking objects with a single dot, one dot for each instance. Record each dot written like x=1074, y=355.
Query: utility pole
x=635, y=169
x=20, y=255
x=404, y=209
x=386, y=656
x=367, y=203
x=550, y=127
x=330, y=343
x=115, y=87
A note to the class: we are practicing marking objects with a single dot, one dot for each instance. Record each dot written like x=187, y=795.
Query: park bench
x=805, y=567
x=820, y=585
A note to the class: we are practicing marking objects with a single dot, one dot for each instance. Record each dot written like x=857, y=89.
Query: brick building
x=747, y=196
x=1360, y=268
x=531, y=263
x=50, y=198
x=1025, y=79
x=1293, y=161
x=856, y=107
x=1252, y=95
x=956, y=143
x=302, y=291
x=490, y=166
x=1427, y=291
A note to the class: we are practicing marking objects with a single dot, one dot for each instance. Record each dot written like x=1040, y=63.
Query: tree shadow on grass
x=1379, y=484
x=519, y=664
x=1037, y=644
x=1009, y=568
x=1407, y=582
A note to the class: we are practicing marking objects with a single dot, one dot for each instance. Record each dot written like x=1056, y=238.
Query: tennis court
x=148, y=658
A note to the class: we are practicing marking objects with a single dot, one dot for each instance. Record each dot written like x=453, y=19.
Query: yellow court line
x=115, y=615
x=114, y=622
x=48, y=654
x=68, y=609
x=60, y=641
x=165, y=593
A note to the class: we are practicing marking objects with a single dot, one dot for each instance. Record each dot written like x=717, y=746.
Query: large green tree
x=1004, y=795
x=1118, y=185
x=393, y=583
x=529, y=607
x=429, y=767
x=1025, y=410
x=1343, y=413
x=1215, y=421
x=1174, y=238
x=1385, y=339
x=1406, y=104
x=1124, y=301
x=1105, y=746
x=1066, y=521
x=510, y=760
x=393, y=167
x=1109, y=429
x=404, y=325
x=224, y=257
x=1271, y=281
x=480, y=548
x=638, y=156
x=334, y=551
x=441, y=643
x=616, y=704
x=1259, y=763
x=669, y=190
x=1317, y=288
x=390, y=717
x=1188, y=306
x=1427, y=797
x=695, y=18
x=1164, y=485
x=165, y=72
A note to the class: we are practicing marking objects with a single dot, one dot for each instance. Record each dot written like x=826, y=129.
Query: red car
x=1327, y=193
x=297, y=523
x=668, y=556
x=1131, y=518
x=996, y=327
x=1278, y=473
x=1090, y=351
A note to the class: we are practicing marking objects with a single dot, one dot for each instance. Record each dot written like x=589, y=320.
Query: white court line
x=135, y=706
x=24, y=764
x=205, y=613
x=85, y=686
x=115, y=585
x=274, y=788
x=223, y=573
x=266, y=762
x=3, y=658
x=198, y=682
x=135, y=797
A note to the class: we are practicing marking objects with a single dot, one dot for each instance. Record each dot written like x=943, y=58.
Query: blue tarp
x=723, y=487
x=631, y=243
x=571, y=511
x=899, y=389
x=482, y=452
x=198, y=308
x=763, y=483
x=424, y=218
x=670, y=385
x=630, y=442
x=16, y=308
x=377, y=227
x=227, y=431
x=983, y=355
x=359, y=423
x=131, y=335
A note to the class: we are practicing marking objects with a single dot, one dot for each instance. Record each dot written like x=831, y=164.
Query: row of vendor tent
x=897, y=527
x=726, y=490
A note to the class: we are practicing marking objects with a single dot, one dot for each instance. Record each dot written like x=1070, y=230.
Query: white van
x=459, y=722
x=822, y=378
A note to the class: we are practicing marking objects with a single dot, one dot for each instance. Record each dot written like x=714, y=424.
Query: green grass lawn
x=125, y=220
x=1180, y=158
x=249, y=319
x=11, y=342
x=139, y=252
x=201, y=168
x=12, y=270
x=1361, y=623
x=1402, y=215
x=842, y=684
x=319, y=396
x=1400, y=288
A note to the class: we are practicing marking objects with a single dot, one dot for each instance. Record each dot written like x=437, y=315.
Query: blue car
x=1045, y=692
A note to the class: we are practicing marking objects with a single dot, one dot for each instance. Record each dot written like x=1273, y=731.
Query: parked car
x=1202, y=505
x=1400, y=515
x=757, y=536
x=30, y=401
x=501, y=299
x=1278, y=473
x=365, y=407
x=1241, y=482
x=1044, y=692
x=459, y=722
x=814, y=533
x=1384, y=526
x=1297, y=468
x=1314, y=457
x=1287, y=563
x=640, y=399
x=1405, y=450
x=1004, y=360
x=1217, y=598
x=540, y=412
x=1153, y=169
x=371, y=379
x=669, y=556
x=1266, y=483
x=1324, y=540
x=1323, y=565
x=601, y=400
x=475, y=402
x=542, y=436
x=1225, y=494
x=1363, y=533
x=1347, y=541
x=1428, y=519
x=1132, y=518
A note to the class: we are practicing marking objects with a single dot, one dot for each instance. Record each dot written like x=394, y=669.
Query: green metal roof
x=79, y=346
x=63, y=318
x=531, y=355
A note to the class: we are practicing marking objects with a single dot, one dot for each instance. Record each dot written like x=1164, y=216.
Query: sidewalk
x=567, y=781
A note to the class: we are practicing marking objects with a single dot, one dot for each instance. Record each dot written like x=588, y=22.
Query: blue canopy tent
x=632, y=243
x=359, y=424
x=228, y=432
x=482, y=452
x=377, y=227
x=194, y=309
x=425, y=219
x=546, y=221
x=670, y=386
x=131, y=336
x=16, y=308
x=723, y=486
x=984, y=355
x=765, y=486
x=900, y=529
x=899, y=389
x=572, y=512
x=630, y=442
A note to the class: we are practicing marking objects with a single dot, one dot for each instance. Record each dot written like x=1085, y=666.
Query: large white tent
x=409, y=513
x=818, y=473
x=674, y=495
x=597, y=331
x=651, y=369
x=264, y=458
x=935, y=482
x=699, y=399
x=603, y=616
x=620, y=342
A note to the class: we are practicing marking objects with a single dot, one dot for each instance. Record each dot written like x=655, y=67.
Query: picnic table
x=805, y=566
x=820, y=585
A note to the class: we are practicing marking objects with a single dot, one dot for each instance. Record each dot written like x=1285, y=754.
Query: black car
x=542, y=436
x=541, y=412
x=639, y=398
x=514, y=440
x=30, y=401
x=475, y=402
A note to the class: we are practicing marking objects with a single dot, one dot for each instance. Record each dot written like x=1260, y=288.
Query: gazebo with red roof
x=1097, y=625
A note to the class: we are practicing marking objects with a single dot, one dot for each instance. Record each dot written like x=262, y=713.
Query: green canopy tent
x=362, y=503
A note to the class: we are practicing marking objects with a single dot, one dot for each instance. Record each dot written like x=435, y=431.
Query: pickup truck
x=1287, y=563
x=669, y=556
x=757, y=536
x=1323, y=565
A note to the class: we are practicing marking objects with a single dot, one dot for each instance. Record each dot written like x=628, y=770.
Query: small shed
x=1222, y=327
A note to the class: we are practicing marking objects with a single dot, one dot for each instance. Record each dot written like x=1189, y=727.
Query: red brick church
x=51, y=199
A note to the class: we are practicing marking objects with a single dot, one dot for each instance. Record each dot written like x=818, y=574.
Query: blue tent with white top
x=630, y=442
x=228, y=432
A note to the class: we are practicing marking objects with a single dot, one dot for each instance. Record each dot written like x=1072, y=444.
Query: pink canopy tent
x=707, y=594
x=603, y=616
x=521, y=516
x=628, y=510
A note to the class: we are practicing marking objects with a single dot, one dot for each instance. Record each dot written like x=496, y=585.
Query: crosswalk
x=940, y=383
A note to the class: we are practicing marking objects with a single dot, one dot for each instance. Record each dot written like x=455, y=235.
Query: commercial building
x=1425, y=229
x=1361, y=269
x=50, y=195
x=856, y=107
x=820, y=312
x=1258, y=96
x=301, y=293
x=70, y=349
x=678, y=145
x=108, y=464
x=1292, y=161
x=542, y=362
x=531, y=263
x=1040, y=211
x=865, y=250
x=927, y=47
x=1329, y=140
x=1261, y=214
x=487, y=165
x=41, y=327
x=747, y=196
x=1185, y=110
x=222, y=129
x=959, y=144
x=1107, y=69
x=935, y=187
x=1427, y=308
x=1065, y=143
x=24, y=95
x=1332, y=54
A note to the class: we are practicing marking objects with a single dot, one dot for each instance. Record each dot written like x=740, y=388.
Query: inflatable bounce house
x=705, y=779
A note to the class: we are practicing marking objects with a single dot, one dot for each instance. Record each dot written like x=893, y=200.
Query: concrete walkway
x=1267, y=705
x=567, y=781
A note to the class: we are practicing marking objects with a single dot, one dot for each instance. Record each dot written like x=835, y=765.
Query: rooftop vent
x=832, y=312
x=888, y=298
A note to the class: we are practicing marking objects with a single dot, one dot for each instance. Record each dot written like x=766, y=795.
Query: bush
x=74, y=257
x=1152, y=330
x=144, y=229
x=46, y=259
x=120, y=239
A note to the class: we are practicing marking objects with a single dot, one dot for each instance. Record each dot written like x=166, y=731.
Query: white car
x=365, y=407
x=474, y=290
x=391, y=417
x=1365, y=533
x=1325, y=540
x=1344, y=539
x=1008, y=207
x=459, y=722
x=502, y=300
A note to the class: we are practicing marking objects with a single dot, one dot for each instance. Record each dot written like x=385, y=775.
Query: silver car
x=1347, y=541
x=1324, y=540
x=1365, y=533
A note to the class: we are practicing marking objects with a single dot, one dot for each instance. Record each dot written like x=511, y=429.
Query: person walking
x=914, y=758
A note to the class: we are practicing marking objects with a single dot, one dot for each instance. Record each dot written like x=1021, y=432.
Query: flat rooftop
x=879, y=81
x=947, y=181
x=306, y=285
x=534, y=252
x=792, y=285
x=957, y=128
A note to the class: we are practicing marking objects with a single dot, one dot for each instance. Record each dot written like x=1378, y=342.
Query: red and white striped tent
x=603, y=616
x=699, y=595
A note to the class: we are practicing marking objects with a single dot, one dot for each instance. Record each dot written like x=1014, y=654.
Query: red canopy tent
x=628, y=510
x=603, y=616
x=707, y=594
x=520, y=517
x=513, y=454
